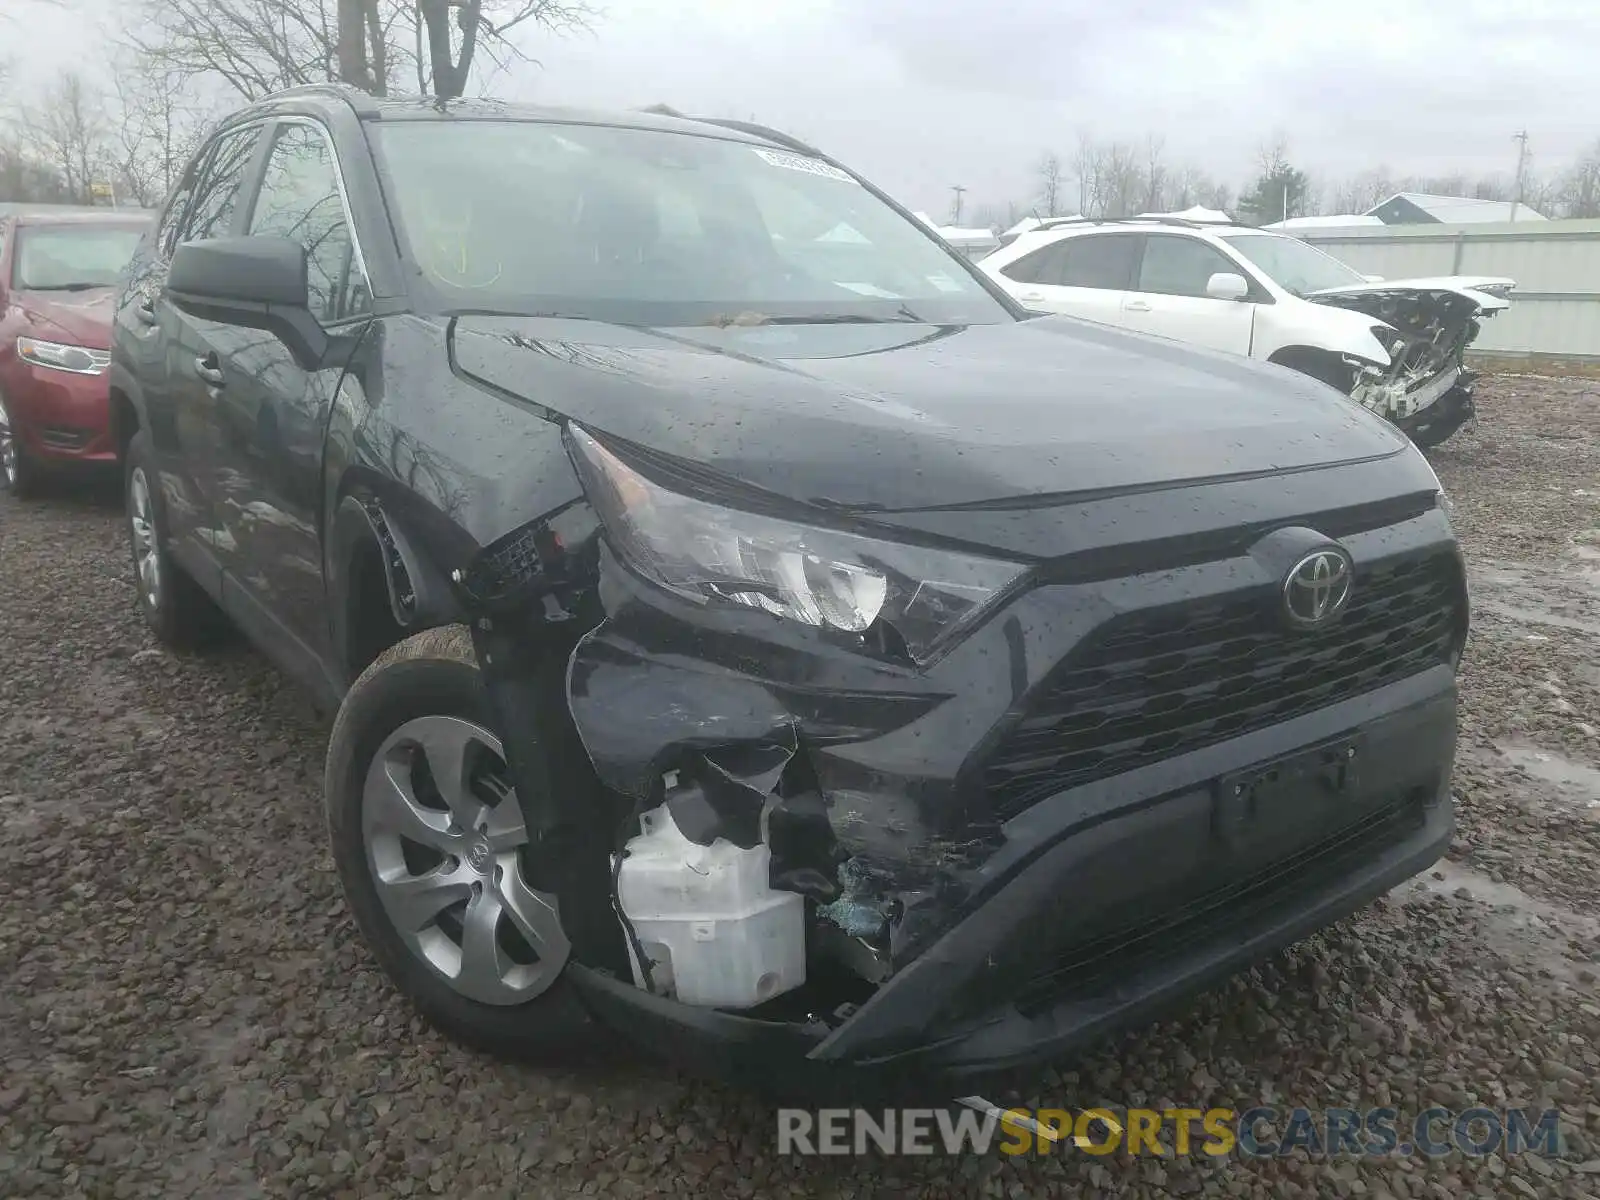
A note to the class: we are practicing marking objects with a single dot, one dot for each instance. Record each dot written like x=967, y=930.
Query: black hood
x=909, y=416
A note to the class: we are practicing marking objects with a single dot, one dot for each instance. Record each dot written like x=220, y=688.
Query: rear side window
x=1042, y=266
x=216, y=198
x=300, y=200
x=1175, y=265
x=1090, y=260
x=1100, y=260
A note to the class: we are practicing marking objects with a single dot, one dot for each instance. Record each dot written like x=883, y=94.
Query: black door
x=183, y=409
x=272, y=410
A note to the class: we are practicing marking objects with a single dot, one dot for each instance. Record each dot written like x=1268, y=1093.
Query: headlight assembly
x=1391, y=339
x=79, y=360
x=819, y=577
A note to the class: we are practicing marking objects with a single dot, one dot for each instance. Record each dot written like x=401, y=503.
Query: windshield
x=72, y=257
x=643, y=227
x=1292, y=264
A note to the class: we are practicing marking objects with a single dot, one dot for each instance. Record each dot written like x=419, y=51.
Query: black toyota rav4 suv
x=750, y=634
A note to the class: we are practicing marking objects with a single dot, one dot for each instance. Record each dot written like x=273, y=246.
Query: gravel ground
x=185, y=1010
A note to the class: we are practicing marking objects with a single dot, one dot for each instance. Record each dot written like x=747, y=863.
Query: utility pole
x=1521, y=138
x=955, y=209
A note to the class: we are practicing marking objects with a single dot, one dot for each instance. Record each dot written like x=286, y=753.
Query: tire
x=423, y=700
x=175, y=607
x=19, y=475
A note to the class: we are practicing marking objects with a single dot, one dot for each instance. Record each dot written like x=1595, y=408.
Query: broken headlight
x=819, y=577
x=1391, y=339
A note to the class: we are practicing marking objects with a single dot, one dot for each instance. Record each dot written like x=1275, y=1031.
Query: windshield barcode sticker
x=801, y=162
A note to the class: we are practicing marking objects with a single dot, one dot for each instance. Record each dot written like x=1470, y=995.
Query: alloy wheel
x=443, y=833
x=141, y=519
x=8, y=448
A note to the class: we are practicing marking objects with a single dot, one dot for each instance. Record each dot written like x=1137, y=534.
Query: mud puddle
x=1517, y=925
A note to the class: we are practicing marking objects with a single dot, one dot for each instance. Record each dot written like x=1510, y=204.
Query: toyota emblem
x=1317, y=588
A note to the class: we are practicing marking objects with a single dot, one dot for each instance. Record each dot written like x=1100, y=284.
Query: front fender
x=420, y=596
x=1317, y=327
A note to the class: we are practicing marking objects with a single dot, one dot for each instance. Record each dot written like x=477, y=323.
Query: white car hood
x=1489, y=292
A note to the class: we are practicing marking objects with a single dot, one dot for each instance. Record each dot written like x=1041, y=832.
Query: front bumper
x=987, y=997
x=1026, y=920
x=60, y=417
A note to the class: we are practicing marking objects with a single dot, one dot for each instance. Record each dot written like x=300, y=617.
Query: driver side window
x=210, y=210
x=1175, y=265
x=300, y=200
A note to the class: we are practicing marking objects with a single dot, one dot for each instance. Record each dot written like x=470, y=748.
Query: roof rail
x=763, y=131
x=361, y=101
x=1057, y=222
x=750, y=127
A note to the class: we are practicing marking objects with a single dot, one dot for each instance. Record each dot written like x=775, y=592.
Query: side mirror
x=1227, y=285
x=254, y=282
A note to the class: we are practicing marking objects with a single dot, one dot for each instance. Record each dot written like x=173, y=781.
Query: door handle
x=1135, y=306
x=145, y=314
x=208, y=370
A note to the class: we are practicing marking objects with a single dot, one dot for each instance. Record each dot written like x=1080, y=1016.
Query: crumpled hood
x=74, y=318
x=911, y=416
x=1490, y=293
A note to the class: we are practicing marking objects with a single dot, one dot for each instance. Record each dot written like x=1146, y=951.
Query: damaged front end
x=827, y=827
x=723, y=860
x=1425, y=388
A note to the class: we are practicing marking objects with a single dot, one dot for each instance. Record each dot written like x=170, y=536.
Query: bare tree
x=1049, y=172
x=1122, y=183
x=1365, y=191
x=68, y=129
x=1580, y=186
x=362, y=46
x=1155, y=174
x=24, y=176
x=262, y=46
x=1118, y=179
x=1086, y=170
x=159, y=125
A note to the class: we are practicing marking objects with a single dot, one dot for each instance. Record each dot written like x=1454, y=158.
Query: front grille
x=62, y=438
x=1155, y=684
x=1084, y=967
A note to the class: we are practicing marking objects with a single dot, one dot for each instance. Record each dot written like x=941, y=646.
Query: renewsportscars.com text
x=1260, y=1132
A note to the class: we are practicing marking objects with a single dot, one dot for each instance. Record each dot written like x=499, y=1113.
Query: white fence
x=1555, y=310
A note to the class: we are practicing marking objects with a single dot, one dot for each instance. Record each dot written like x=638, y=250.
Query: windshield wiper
x=68, y=287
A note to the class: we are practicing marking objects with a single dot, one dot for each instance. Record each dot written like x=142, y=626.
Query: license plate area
x=1295, y=794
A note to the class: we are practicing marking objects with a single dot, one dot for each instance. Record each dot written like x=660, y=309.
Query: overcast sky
x=923, y=94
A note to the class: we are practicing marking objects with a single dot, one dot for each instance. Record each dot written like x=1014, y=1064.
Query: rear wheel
x=428, y=834
x=174, y=606
x=18, y=475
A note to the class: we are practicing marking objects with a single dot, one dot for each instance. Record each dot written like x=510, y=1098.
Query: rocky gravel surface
x=185, y=1009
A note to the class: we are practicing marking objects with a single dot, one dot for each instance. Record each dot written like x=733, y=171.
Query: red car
x=58, y=274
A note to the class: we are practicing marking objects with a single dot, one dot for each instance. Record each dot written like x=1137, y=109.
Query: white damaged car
x=1395, y=346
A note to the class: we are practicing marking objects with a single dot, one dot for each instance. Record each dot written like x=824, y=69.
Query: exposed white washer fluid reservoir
x=715, y=931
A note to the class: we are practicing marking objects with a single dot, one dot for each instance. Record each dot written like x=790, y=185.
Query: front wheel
x=428, y=835
x=18, y=475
